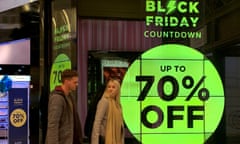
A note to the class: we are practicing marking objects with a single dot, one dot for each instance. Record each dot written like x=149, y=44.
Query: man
x=63, y=122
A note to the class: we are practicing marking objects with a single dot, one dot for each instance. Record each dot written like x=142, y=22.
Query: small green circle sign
x=175, y=96
x=61, y=63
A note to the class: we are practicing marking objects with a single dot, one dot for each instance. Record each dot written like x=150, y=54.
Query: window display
x=14, y=101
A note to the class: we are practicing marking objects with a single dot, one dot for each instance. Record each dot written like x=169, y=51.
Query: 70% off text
x=187, y=83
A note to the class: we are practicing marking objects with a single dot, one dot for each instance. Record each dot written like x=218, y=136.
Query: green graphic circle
x=61, y=63
x=172, y=94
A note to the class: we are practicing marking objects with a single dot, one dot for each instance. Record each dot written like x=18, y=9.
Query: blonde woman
x=108, y=125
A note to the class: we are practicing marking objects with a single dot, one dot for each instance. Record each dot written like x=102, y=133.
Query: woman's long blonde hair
x=117, y=83
x=114, y=127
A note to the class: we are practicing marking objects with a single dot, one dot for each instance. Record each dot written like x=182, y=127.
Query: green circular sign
x=176, y=96
x=61, y=63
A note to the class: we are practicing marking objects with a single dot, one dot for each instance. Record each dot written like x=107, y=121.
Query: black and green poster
x=64, y=43
x=175, y=92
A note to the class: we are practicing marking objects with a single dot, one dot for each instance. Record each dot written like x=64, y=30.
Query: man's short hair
x=68, y=74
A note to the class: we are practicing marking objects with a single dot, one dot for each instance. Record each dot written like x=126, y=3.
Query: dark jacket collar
x=59, y=90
